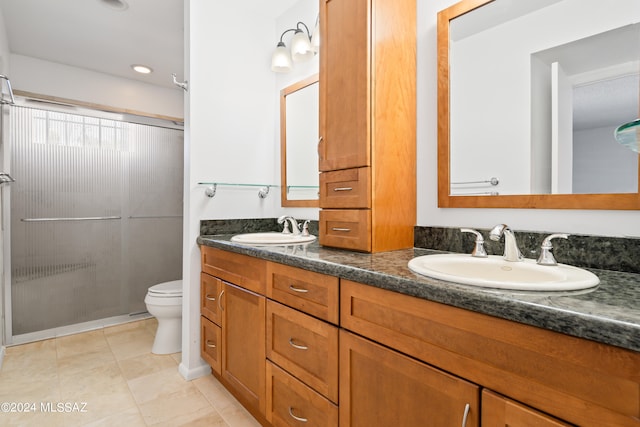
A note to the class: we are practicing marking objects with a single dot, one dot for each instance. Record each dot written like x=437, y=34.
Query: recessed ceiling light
x=142, y=69
x=115, y=4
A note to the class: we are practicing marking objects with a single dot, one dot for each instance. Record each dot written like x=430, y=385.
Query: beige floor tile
x=37, y=360
x=237, y=416
x=131, y=326
x=128, y=418
x=215, y=393
x=87, y=342
x=146, y=364
x=158, y=385
x=29, y=388
x=76, y=363
x=36, y=419
x=130, y=343
x=176, y=408
x=103, y=389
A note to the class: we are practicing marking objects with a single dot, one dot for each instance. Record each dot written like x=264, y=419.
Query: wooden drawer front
x=210, y=340
x=350, y=188
x=499, y=411
x=241, y=270
x=381, y=387
x=313, y=293
x=304, y=346
x=579, y=381
x=347, y=229
x=288, y=398
x=210, y=288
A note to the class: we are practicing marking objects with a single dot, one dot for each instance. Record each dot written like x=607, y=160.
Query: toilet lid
x=167, y=289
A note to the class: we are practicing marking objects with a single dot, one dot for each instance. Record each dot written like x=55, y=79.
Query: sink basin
x=495, y=272
x=272, y=238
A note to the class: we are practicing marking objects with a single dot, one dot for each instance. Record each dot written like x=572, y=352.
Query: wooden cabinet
x=498, y=411
x=381, y=387
x=402, y=361
x=576, y=380
x=233, y=324
x=367, y=151
x=243, y=344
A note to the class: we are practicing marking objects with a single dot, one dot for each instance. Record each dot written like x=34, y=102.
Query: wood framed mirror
x=299, y=121
x=516, y=83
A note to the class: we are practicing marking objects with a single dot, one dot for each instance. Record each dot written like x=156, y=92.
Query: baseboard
x=195, y=372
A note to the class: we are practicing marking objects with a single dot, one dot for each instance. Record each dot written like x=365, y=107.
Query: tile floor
x=113, y=371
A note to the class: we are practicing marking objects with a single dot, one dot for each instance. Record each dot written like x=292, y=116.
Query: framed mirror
x=299, y=121
x=529, y=97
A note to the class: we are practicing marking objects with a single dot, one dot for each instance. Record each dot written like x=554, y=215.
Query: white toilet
x=164, y=302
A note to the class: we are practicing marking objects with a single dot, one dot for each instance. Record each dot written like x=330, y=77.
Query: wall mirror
x=529, y=97
x=299, y=118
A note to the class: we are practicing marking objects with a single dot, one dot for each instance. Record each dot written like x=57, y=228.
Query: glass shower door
x=81, y=184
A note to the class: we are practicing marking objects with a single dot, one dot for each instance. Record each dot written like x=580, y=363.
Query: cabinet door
x=243, y=344
x=344, y=85
x=498, y=411
x=380, y=387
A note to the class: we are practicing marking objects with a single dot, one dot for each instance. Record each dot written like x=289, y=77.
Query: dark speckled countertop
x=609, y=314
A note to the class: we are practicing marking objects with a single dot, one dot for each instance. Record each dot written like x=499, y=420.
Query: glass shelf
x=628, y=135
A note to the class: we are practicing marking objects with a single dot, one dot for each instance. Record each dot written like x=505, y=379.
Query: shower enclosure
x=95, y=216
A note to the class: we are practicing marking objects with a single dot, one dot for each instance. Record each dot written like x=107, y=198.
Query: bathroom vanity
x=307, y=335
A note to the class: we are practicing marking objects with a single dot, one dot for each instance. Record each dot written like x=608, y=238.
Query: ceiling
x=93, y=35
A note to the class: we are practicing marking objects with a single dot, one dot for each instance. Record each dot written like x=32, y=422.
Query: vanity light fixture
x=142, y=69
x=301, y=49
x=315, y=36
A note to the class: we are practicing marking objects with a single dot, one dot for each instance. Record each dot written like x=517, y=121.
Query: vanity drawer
x=346, y=228
x=209, y=292
x=304, y=346
x=313, y=293
x=241, y=270
x=210, y=339
x=291, y=403
x=349, y=188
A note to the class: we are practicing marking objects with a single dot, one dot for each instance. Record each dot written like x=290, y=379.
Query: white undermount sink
x=272, y=238
x=495, y=272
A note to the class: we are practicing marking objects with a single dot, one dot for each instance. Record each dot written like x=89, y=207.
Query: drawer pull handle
x=209, y=298
x=343, y=189
x=302, y=420
x=210, y=344
x=220, y=300
x=467, y=407
x=341, y=229
x=299, y=290
x=298, y=346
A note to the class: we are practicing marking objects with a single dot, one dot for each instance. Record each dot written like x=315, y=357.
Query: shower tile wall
x=89, y=198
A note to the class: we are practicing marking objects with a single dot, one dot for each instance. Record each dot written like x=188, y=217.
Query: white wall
x=54, y=79
x=606, y=223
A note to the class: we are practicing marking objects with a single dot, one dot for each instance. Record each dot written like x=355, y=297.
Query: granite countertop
x=608, y=314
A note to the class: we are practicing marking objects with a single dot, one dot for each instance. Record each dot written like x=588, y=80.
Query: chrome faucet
x=286, y=220
x=546, y=257
x=511, y=251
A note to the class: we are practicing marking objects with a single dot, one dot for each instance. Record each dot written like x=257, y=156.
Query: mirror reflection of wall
x=301, y=109
x=537, y=91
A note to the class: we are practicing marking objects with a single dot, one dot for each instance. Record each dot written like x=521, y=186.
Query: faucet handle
x=546, y=257
x=478, y=250
x=305, y=228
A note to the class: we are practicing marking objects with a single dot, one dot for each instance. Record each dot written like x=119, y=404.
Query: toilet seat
x=166, y=290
